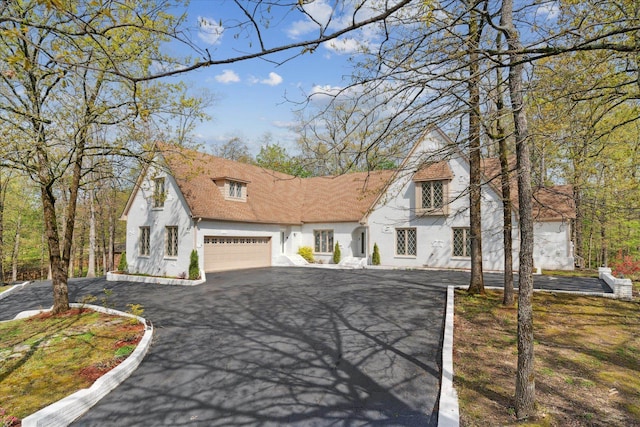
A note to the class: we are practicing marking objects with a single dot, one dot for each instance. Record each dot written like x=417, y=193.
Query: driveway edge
x=13, y=289
x=65, y=411
x=449, y=412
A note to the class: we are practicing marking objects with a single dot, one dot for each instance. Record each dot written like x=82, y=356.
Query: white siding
x=343, y=233
x=552, y=246
x=173, y=213
x=435, y=233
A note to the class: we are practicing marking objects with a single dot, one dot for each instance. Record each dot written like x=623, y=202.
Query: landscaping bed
x=587, y=360
x=47, y=357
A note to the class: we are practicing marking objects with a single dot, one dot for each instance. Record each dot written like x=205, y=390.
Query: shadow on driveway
x=281, y=347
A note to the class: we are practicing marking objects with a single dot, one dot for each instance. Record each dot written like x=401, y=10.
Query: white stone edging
x=65, y=411
x=449, y=412
x=622, y=288
x=115, y=277
x=13, y=289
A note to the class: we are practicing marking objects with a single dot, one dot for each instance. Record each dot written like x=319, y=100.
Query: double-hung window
x=171, y=241
x=406, y=242
x=145, y=240
x=158, y=193
x=461, y=242
x=323, y=241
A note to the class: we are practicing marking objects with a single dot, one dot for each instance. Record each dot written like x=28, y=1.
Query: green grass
x=4, y=288
x=46, y=358
x=587, y=364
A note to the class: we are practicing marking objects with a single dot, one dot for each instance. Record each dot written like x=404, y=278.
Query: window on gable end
x=144, y=245
x=159, y=194
x=171, y=241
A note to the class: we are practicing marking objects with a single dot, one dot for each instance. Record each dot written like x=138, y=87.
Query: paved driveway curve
x=283, y=346
x=277, y=346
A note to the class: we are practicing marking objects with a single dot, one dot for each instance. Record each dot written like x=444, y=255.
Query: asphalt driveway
x=277, y=346
x=283, y=346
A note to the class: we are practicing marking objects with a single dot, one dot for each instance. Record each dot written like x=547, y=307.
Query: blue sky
x=252, y=95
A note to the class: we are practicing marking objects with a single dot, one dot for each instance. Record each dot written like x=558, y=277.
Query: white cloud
x=319, y=10
x=548, y=10
x=324, y=93
x=283, y=124
x=210, y=31
x=344, y=46
x=273, y=80
x=227, y=76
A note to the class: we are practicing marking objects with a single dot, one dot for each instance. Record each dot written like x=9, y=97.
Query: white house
x=242, y=216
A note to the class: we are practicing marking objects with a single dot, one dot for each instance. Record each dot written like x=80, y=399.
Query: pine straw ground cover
x=587, y=360
x=46, y=358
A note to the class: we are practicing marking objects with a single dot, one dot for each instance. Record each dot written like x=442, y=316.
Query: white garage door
x=232, y=253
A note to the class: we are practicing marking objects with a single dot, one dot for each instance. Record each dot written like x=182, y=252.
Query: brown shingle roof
x=553, y=203
x=272, y=197
x=433, y=172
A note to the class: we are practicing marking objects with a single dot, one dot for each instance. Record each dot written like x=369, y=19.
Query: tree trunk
x=83, y=232
x=525, y=378
x=112, y=232
x=58, y=267
x=16, y=251
x=91, y=268
x=3, y=192
x=604, y=247
x=508, y=294
x=476, y=285
x=577, y=223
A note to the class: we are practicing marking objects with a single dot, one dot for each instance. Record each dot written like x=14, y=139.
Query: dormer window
x=431, y=197
x=432, y=188
x=235, y=190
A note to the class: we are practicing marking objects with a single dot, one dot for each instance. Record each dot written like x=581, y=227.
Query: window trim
x=141, y=241
x=466, y=235
x=159, y=197
x=167, y=242
x=328, y=243
x=437, y=211
x=406, y=253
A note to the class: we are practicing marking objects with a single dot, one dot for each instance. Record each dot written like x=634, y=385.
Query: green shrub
x=194, y=267
x=336, y=254
x=375, y=258
x=122, y=265
x=306, y=252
